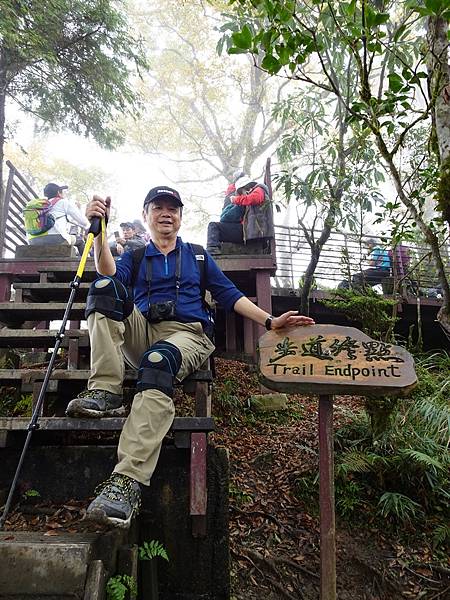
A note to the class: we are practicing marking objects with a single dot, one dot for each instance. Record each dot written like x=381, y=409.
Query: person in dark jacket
x=130, y=240
x=247, y=216
x=162, y=333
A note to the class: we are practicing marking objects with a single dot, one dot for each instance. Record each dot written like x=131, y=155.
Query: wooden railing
x=18, y=192
x=344, y=255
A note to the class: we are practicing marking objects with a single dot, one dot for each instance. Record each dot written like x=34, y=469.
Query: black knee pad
x=109, y=297
x=158, y=368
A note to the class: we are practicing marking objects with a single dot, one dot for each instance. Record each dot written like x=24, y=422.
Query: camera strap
x=149, y=272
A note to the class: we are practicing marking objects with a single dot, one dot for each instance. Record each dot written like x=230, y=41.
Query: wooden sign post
x=328, y=360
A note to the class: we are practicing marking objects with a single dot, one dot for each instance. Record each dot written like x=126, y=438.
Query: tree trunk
x=316, y=250
x=429, y=235
x=439, y=70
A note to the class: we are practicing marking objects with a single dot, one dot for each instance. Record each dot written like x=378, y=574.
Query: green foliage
x=328, y=167
x=31, y=494
x=152, y=549
x=365, y=306
x=373, y=59
x=24, y=406
x=441, y=534
x=69, y=62
x=240, y=497
x=121, y=587
x=14, y=405
x=227, y=404
x=399, y=506
x=406, y=466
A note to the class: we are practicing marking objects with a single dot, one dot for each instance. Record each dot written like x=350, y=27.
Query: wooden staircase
x=35, y=295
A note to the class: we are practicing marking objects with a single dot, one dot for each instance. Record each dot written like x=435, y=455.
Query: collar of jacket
x=152, y=250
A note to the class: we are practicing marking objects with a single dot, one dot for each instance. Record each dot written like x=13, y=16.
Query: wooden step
x=66, y=272
x=32, y=375
x=58, y=292
x=199, y=424
x=19, y=312
x=40, y=338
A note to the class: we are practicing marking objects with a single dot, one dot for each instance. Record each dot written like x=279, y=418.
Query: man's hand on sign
x=291, y=319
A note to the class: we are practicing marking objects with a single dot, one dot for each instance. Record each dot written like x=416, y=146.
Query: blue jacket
x=189, y=307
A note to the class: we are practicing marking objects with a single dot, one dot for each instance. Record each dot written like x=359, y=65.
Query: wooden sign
x=329, y=359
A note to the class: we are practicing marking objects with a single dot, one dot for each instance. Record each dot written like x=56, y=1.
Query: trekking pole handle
x=96, y=226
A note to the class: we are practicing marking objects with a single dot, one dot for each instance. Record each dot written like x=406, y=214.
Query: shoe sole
x=99, y=516
x=80, y=411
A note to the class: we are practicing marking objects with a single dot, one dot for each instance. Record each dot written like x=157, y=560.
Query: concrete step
x=35, y=565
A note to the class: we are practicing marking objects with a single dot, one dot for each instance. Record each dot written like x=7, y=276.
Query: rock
x=268, y=402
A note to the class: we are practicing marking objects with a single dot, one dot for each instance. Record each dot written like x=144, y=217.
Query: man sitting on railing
x=248, y=216
x=379, y=268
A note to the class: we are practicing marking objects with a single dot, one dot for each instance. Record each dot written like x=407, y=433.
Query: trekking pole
x=96, y=227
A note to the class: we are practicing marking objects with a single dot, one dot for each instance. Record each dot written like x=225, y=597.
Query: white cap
x=244, y=181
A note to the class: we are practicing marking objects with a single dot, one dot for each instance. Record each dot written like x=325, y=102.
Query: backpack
x=200, y=256
x=36, y=215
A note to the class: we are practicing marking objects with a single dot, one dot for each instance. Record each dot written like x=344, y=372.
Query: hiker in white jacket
x=65, y=214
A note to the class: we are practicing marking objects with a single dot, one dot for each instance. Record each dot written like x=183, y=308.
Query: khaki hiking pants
x=152, y=411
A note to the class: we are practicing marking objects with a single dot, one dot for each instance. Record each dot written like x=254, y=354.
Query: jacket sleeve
x=222, y=289
x=75, y=216
x=124, y=267
x=254, y=198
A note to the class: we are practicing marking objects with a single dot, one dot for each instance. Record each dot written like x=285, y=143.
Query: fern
x=152, y=549
x=420, y=458
x=119, y=586
x=354, y=461
x=441, y=534
x=399, y=506
x=407, y=465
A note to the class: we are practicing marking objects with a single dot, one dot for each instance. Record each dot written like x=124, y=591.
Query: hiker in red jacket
x=236, y=224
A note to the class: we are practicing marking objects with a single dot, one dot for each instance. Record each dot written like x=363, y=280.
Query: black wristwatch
x=268, y=323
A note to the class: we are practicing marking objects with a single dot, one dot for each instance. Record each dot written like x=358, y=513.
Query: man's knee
x=109, y=297
x=158, y=368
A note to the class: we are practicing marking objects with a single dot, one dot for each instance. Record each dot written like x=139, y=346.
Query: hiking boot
x=96, y=404
x=118, y=501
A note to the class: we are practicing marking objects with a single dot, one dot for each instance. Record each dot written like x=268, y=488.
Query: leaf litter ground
x=274, y=534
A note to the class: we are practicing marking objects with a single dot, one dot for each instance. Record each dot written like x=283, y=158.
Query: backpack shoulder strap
x=137, y=257
x=200, y=257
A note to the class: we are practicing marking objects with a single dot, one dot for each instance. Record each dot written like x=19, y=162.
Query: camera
x=161, y=311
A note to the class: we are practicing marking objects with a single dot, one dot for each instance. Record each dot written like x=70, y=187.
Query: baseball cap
x=51, y=189
x=138, y=225
x=244, y=181
x=160, y=192
x=128, y=224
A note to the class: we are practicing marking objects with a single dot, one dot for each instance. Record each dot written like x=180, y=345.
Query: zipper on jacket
x=166, y=265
